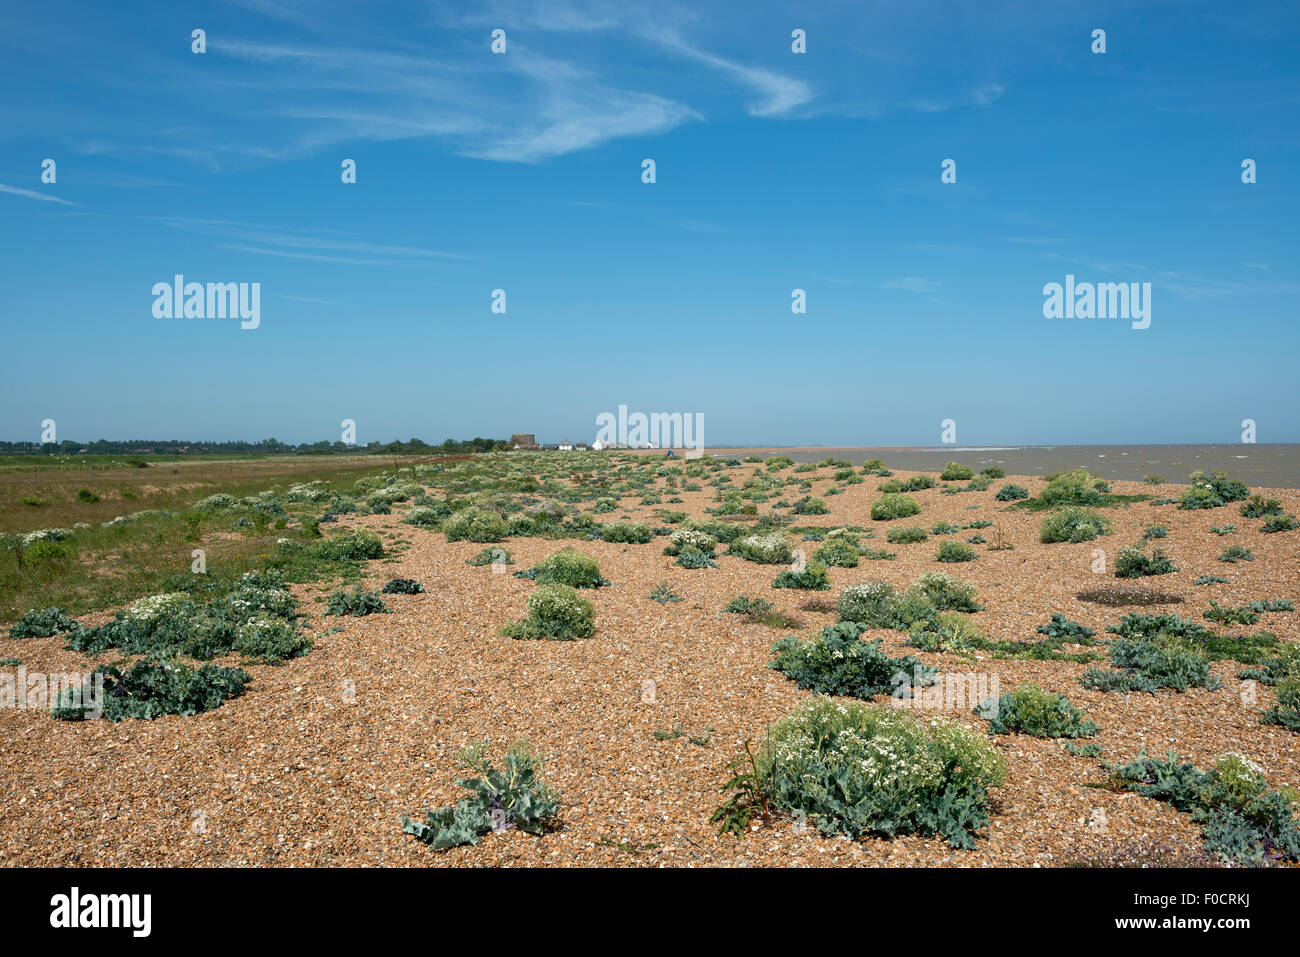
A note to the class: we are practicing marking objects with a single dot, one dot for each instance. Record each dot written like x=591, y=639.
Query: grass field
x=112, y=565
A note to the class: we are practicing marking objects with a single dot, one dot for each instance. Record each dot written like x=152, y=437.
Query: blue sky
x=775, y=171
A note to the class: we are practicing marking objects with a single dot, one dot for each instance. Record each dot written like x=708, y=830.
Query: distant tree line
x=264, y=447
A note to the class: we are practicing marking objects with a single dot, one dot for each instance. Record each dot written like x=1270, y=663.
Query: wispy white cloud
x=323, y=246
x=778, y=94
x=33, y=194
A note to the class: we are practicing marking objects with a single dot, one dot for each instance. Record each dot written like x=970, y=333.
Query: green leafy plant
x=1073, y=524
x=1242, y=819
x=500, y=799
x=839, y=552
x=1028, y=709
x=357, y=603
x=764, y=549
x=1257, y=506
x=1074, y=488
x=491, y=556
x=474, y=525
x=955, y=472
x=1012, y=493
x=570, y=567
x=853, y=769
x=663, y=593
x=893, y=505
x=150, y=689
x=837, y=662
x=1286, y=712
x=43, y=623
x=1228, y=615
x=1237, y=553
x=556, y=612
x=402, y=586
x=811, y=578
x=1132, y=562
x=626, y=533
x=1149, y=664
x=955, y=552
x=1062, y=627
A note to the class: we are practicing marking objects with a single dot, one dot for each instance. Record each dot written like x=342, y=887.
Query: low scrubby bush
x=837, y=662
x=1074, y=488
x=854, y=769
x=956, y=472
x=474, y=525
x=1012, y=493
x=839, y=552
x=764, y=549
x=954, y=552
x=1073, y=524
x=1028, y=709
x=1257, y=506
x=357, y=603
x=1132, y=562
x=1236, y=553
x=893, y=505
x=1286, y=712
x=43, y=623
x=812, y=578
x=1149, y=664
x=570, y=567
x=556, y=612
x=691, y=538
x=626, y=533
x=1212, y=490
x=1280, y=523
x=402, y=586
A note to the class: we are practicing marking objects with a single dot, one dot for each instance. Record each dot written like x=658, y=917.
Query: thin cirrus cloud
x=33, y=194
x=327, y=246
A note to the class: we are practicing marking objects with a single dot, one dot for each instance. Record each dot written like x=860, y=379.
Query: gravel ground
x=316, y=763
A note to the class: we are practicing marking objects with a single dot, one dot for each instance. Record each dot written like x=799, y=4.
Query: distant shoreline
x=1272, y=465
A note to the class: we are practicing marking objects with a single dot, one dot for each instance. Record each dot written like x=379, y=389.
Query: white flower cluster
x=154, y=607
x=316, y=491
x=250, y=599
x=690, y=538
x=47, y=535
x=216, y=502
x=767, y=549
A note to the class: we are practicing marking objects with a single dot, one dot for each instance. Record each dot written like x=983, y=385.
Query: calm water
x=1265, y=466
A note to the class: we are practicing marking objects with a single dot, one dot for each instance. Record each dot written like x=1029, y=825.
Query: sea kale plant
x=1028, y=709
x=764, y=549
x=894, y=505
x=850, y=768
x=1242, y=819
x=42, y=623
x=556, y=612
x=358, y=603
x=1132, y=562
x=837, y=662
x=150, y=689
x=1073, y=524
x=500, y=799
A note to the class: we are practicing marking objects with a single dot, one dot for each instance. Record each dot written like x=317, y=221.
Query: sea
x=1274, y=465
